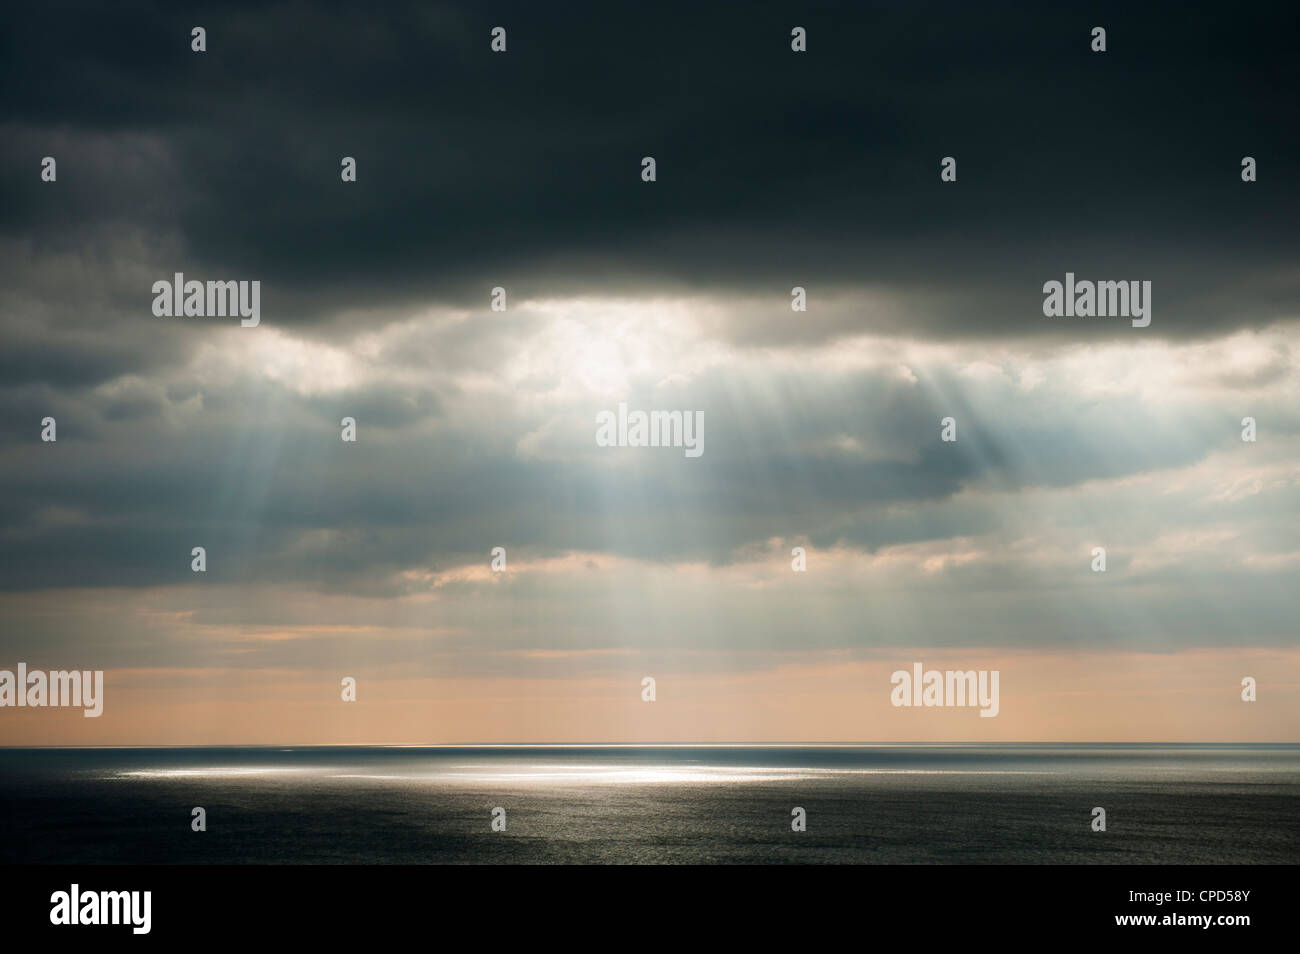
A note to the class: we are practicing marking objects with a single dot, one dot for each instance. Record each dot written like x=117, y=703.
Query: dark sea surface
x=894, y=804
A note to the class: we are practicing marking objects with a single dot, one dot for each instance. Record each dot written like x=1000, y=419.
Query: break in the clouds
x=476, y=426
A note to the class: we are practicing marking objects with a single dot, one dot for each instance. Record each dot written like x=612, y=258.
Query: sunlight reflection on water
x=515, y=773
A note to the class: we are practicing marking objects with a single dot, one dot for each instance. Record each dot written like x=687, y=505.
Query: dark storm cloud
x=775, y=169
x=522, y=170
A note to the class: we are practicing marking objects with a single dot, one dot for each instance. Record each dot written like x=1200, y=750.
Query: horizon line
x=603, y=745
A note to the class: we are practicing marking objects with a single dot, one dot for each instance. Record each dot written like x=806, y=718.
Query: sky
x=476, y=428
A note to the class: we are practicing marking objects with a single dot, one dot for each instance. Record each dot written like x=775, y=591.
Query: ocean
x=868, y=804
